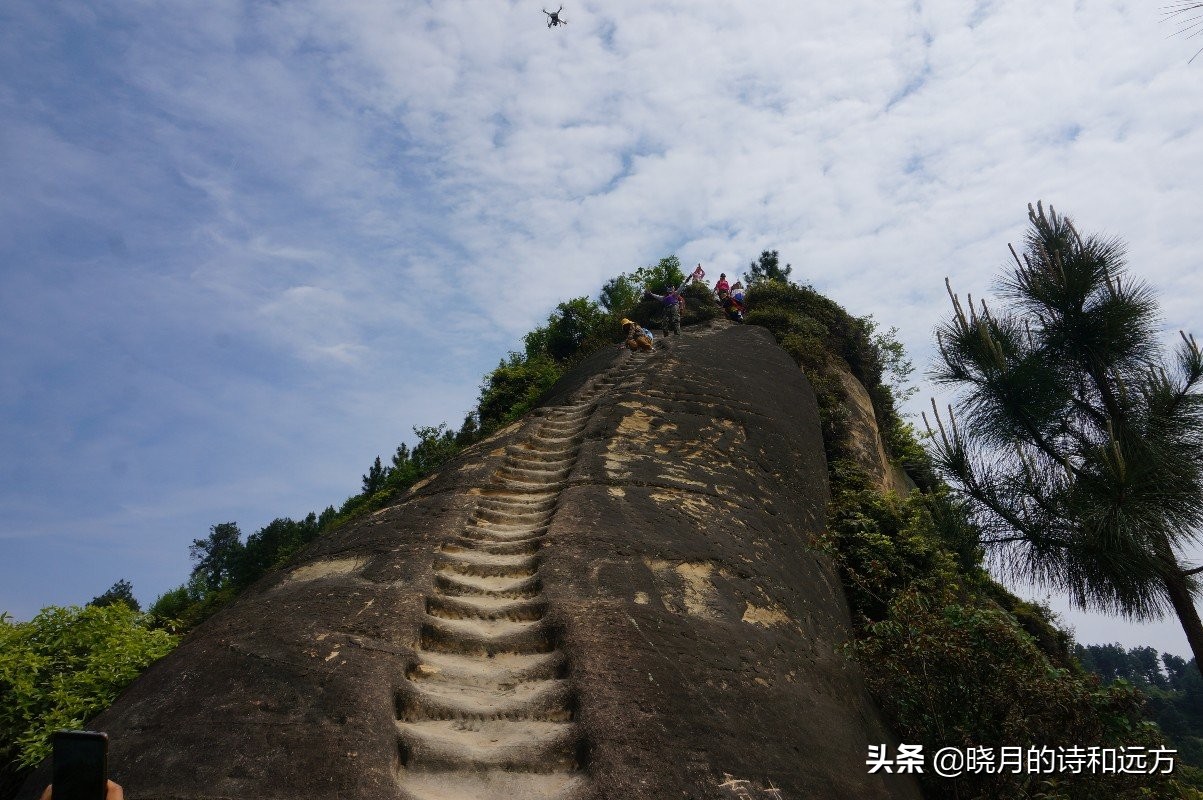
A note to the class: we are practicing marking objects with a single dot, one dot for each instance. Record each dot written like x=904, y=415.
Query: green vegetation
x=1173, y=686
x=1078, y=444
x=63, y=667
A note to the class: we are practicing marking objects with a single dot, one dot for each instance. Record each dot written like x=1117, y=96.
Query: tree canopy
x=1076, y=440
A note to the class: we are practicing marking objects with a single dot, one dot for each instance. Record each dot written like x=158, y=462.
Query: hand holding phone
x=81, y=767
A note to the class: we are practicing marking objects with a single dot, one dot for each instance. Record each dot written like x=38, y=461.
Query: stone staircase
x=489, y=711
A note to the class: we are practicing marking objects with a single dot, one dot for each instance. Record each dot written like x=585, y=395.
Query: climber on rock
x=722, y=287
x=636, y=337
x=553, y=17
x=733, y=307
x=674, y=304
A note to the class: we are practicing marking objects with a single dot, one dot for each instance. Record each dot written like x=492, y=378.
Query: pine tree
x=767, y=267
x=217, y=557
x=1188, y=26
x=374, y=480
x=1077, y=444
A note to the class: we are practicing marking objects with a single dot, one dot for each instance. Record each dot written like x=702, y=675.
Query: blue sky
x=245, y=247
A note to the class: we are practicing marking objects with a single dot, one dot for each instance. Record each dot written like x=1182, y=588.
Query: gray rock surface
x=614, y=598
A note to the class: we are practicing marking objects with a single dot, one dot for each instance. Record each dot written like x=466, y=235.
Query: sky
x=246, y=246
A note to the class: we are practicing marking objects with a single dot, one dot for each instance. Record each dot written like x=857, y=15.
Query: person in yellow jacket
x=636, y=339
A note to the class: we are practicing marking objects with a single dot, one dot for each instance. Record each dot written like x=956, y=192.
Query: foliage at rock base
x=63, y=667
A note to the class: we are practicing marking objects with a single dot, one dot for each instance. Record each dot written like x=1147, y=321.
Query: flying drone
x=553, y=17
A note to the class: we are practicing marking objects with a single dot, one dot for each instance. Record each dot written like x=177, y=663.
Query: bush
x=952, y=672
x=63, y=667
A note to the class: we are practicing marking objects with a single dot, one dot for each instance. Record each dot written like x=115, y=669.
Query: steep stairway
x=488, y=711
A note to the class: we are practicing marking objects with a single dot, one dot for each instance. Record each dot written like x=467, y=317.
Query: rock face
x=865, y=438
x=614, y=598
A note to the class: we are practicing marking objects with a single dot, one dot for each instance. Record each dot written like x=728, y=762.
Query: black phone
x=81, y=765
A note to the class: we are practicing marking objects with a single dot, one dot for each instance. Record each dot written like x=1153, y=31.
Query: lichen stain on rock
x=701, y=598
x=617, y=491
x=697, y=506
x=423, y=482
x=614, y=466
x=326, y=569
x=635, y=422
x=686, y=588
x=765, y=616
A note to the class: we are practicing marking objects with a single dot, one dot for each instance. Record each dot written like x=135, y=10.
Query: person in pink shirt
x=722, y=287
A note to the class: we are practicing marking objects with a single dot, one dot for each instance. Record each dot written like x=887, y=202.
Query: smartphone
x=81, y=765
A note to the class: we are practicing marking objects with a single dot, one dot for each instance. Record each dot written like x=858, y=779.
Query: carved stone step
x=485, y=637
x=486, y=564
x=527, y=546
x=534, y=482
x=536, y=701
x=486, y=607
x=525, y=458
x=519, y=501
x=492, y=785
x=497, y=532
x=458, y=585
x=503, y=669
x=513, y=518
x=539, y=747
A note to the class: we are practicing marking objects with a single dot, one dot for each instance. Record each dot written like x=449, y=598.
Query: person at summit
x=722, y=287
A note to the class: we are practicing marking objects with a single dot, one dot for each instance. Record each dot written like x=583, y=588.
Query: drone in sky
x=553, y=17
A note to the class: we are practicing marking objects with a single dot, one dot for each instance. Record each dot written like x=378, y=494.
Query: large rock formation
x=614, y=598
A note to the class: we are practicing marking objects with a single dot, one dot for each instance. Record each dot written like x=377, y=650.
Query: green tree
x=436, y=445
x=620, y=294
x=568, y=328
x=1077, y=444
x=272, y=545
x=218, y=555
x=896, y=367
x=120, y=592
x=514, y=387
x=665, y=273
x=172, y=606
x=767, y=267
x=374, y=480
